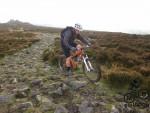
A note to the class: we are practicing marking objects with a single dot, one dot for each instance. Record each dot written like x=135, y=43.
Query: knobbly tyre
x=90, y=68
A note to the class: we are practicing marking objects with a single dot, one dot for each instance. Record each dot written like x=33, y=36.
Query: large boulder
x=75, y=85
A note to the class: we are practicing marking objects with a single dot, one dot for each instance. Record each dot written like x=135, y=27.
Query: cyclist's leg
x=68, y=61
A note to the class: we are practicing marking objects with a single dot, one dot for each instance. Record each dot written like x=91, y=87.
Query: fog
x=103, y=15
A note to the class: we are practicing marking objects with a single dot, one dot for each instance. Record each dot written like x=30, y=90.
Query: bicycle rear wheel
x=93, y=75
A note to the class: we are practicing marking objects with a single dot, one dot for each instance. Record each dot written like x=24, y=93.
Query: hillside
x=16, y=24
x=31, y=82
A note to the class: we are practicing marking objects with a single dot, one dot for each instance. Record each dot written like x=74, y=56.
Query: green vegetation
x=11, y=42
x=52, y=53
x=123, y=57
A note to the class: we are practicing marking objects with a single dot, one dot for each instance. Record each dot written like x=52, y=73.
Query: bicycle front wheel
x=93, y=75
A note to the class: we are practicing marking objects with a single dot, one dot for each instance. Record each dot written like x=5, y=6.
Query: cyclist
x=68, y=35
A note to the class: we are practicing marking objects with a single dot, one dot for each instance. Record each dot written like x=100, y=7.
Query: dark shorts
x=67, y=50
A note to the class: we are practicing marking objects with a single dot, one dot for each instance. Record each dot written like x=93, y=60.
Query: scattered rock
x=45, y=103
x=54, y=77
x=59, y=91
x=46, y=89
x=85, y=107
x=76, y=84
x=61, y=109
x=24, y=106
x=36, y=82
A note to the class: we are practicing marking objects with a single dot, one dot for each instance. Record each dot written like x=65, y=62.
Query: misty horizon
x=99, y=15
x=47, y=25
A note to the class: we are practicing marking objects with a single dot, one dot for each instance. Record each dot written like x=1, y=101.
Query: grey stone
x=85, y=107
x=45, y=103
x=76, y=84
x=36, y=82
x=61, y=109
x=60, y=90
x=54, y=77
x=56, y=92
x=24, y=106
x=50, y=87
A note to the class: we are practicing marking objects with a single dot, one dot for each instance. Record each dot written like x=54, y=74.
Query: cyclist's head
x=78, y=27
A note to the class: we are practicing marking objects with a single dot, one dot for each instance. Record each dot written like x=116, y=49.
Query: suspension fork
x=87, y=63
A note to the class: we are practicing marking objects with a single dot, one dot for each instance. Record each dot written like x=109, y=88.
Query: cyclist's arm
x=83, y=40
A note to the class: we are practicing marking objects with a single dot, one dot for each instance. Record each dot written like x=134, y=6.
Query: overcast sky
x=104, y=15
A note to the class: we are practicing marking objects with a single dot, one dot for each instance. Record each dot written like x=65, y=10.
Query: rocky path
x=29, y=85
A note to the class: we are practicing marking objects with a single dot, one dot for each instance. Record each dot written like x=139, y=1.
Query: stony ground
x=29, y=85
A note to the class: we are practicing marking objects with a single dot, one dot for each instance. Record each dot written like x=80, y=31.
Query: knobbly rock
x=61, y=109
x=24, y=106
x=7, y=99
x=98, y=103
x=76, y=84
x=37, y=82
x=54, y=77
x=56, y=92
x=60, y=90
x=85, y=107
x=45, y=103
x=45, y=89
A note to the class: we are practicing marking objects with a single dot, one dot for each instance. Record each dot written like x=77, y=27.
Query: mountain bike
x=90, y=68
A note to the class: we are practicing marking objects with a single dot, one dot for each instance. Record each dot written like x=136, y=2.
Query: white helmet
x=78, y=27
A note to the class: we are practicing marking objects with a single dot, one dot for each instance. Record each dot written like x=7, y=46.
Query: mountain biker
x=68, y=35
